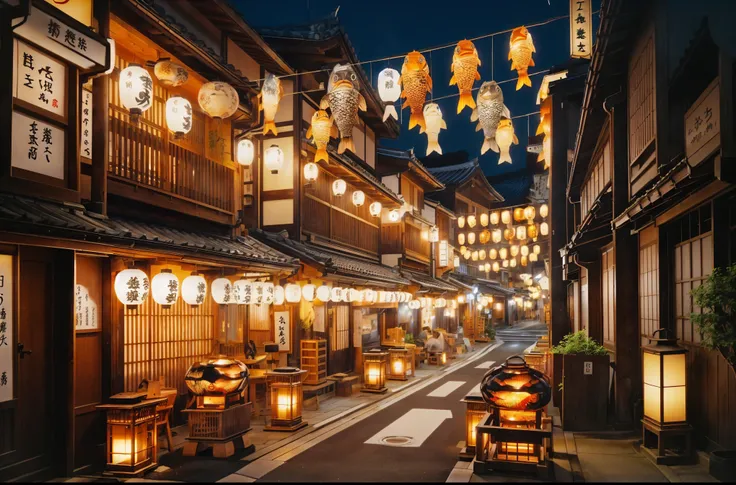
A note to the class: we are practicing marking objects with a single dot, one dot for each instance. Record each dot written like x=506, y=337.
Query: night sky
x=384, y=29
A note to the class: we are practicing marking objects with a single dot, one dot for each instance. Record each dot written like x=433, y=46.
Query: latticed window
x=608, y=276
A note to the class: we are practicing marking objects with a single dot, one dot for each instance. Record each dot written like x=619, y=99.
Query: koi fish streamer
x=488, y=113
x=321, y=130
x=544, y=128
x=435, y=123
x=505, y=137
x=344, y=100
x=416, y=82
x=521, y=48
x=465, y=62
x=269, y=99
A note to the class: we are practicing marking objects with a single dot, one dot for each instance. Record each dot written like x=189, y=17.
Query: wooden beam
x=693, y=200
x=100, y=119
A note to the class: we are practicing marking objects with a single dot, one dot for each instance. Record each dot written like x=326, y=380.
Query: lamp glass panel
x=674, y=404
x=652, y=402
x=674, y=370
x=651, y=369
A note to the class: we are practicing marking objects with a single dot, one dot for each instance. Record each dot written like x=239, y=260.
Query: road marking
x=486, y=365
x=446, y=389
x=417, y=424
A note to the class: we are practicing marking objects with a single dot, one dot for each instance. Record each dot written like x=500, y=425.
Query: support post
x=100, y=119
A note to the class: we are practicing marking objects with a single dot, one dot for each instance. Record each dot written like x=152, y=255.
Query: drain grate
x=397, y=440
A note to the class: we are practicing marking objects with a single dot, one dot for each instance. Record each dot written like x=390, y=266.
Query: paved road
x=433, y=418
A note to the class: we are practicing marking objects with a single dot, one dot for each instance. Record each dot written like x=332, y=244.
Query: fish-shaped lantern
x=505, y=137
x=416, y=82
x=321, y=130
x=434, y=123
x=270, y=97
x=389, y=89
x=521, y=48
x=545, y=129
x=344, y=100
x=465, y=62
x=488, y=113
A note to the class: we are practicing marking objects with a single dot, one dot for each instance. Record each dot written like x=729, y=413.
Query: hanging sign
x=703, y=125
x=39, y=80
x=85, y=146
x=581, y=29
x=282, y=322
x=6, y=328
x=444, y=255
x=37, y=146
x=85, y=310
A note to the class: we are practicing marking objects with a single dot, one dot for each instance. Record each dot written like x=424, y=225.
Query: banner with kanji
x=282, y=328
x=581, y=29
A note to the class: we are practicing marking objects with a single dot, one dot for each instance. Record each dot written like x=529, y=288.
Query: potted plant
x=717, y=326
x=584, y=384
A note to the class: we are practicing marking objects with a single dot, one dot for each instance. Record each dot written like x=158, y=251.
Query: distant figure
x=250, y=351
x=423, y=335
x=434, y=344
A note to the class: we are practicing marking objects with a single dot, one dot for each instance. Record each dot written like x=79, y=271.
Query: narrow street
x=414, y=439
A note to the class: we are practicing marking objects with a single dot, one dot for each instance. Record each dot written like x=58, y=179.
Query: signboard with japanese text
x=37, y=146
x=85, y=310
x=319, y=318
x=581, y=29
x=282, y=322
x=85, y=144
x=7, y=349
x=444, y=254
x=703, y=125
x=39, y=79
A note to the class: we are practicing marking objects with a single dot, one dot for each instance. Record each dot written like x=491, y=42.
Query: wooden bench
x=344, y=384
x=313, y=394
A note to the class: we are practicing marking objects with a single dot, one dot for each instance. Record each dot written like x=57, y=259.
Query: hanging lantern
x=496, y=267
x=544, y=229
x=358, y=198
x=242, y=292
x=389, y=89
x=508, y=234
x=484, y=219
x=273, y=159
x=519, y=214
x=514, y=250
x=543, y=211
x=461, y=299
x=474, y=255
x=536, y=249
x=505, y=263
x=293, y=293
x=311, y=171
x=369, y=296
x=506, y=217
x=512, y=262
x=194, y=289
x=178, y=116
x=492, y=254
x=461, y=222
x=338, y=187
x=482, y=254
x=471, y=221
x=279, y=294
x=524, y=250
x=487, y=267
x=309, y=292
x=165, y=288
x=503, y=253
x=521, y=233
x=529, y=213
x=471, y=238
x=222, y=290
x=495, y=218
x=496, y=235
x=170, y=74
x=531, y=231
x=533, y=257
x=434, y=234
x=528, y=282
x=461, y=238
x=323, y=293
x=524, y=260
x=131, y=287
x=462, y=249
x=467, y=254
x=219, y=100
x=246, y=152
x=337, y=294
x=136, y=90
x=375, y=209
x=394, y=215
x=485, y=236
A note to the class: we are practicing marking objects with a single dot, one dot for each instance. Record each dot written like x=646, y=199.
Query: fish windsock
x=505, y=136
x=321, y=130
x=489, y=111
x=270, y=97
x=389, y=89
x=344, y=100
x=521, y=48
x=464, y=67
x=416, y=81
x=434, y=123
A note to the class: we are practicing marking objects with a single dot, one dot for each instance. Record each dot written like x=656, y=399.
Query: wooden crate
x=218, y=424
x=314, y=360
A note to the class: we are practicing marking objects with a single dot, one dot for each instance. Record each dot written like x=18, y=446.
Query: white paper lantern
x=503, y=253
x=222, y=291
x=246, y=152
x=243, y=292
x=194, y=289
x=482, y=254
x=461, y=238
x=323, y=293
x=524, y=250
x=259, y=296
x=132, y=287
x=495, y=218
x=338, y=187
x=543, y=211
x=533, y=257
x=514, y=250
x=279, y=295
x=471, y=238
x=165, y=288
x=375, y=209
x=293, y=293
x=309, y=292
x=268, y=289
x=512, y=262
x=169, y=74
x=487, y=267
x=178, y=116
x=484, y=219
x=351, y=295
x=394, y=215
x=492, y=254
x=389, y=89
x=273, y=159
x=496, y=267
x=521, y=232
x=336, y=294
x=369, y=296
x=544, y=229
x=537, y=249
x=471, y=221
x=506, y=217
x=505, y=263
x=136, y=90
x=311, y=171
x=461, y=222
x=358, y=198
x=496, y=235
x=218, y=99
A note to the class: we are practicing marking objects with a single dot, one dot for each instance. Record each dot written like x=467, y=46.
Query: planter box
x=585, y=395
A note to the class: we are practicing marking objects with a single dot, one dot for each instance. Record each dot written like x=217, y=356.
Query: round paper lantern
x=467, y=254
x=460, y=299
x=492, y=254
x=519, y=214
x=536, y=249
x=369, y=296
x=394, y=215
x=484, y=219
x=194, y=289
x=487, y=267
x=514, y=250
x=496, y=267
x=506, y=217
x=521, y=233
x=293, y=293
x=243, y=292
x=529, y=213
x=219, y=100
x=246, y=152
x=461, y=238
x=132, y=287
x=543, y=211
x=358, y=198
x=471, y=238
x=512, y=262
x=273, y=159
x=165, y=288
x=136, y=90
x=533, y=257
x=279, y=295
x=375, y=209
x=323, y=293
x=338, y=187
x=524, y=250
x=503, y=253
x=531, y=231
x=336, y=294
x=495, y=218
x=178, y=116
x=268, y=289
x=311, y=171
x=524, y=260
x=474, y=255
x=505, y=263
x=170, y=74
x=309, y=291
x=496, y=235
x=471, y=221
x=544, y=229
x=485, y=236
x=461, y=222
x=222, y=291
x=482, y=254
x=352, y=295
x=508, y=234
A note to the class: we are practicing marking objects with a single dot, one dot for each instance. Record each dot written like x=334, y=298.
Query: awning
x=428, y=283
x=466, y=283
x=596, y=226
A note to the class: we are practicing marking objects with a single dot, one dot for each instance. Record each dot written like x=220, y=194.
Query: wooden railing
x=141, y=154
x=332, y=222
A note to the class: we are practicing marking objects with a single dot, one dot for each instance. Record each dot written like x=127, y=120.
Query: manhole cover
x=397, y=440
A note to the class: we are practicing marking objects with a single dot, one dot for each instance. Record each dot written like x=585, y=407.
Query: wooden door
x=339, y=340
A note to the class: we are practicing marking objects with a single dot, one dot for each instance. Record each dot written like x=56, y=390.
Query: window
x=642, y=108
x=648, y=289
x=597, y=180
x=341, y=329
x=608, y=288
x=413, y=195
x=584, y=316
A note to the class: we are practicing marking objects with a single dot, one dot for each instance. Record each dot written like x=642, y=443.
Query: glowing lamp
x=194, y=289
x=529, y=213
x=544, y=229
x=471, y=221
x=434, y=234
x=375, y=209
x=339, y=187
x=514, y=250
x=505, y=263
x=394, y=215
x=495, y=218
x=358, y=198
x=369, y=296
x=461, y=299
x=273, y=159
x=398, y=363
x=323, y=293
x=482, y=254
x=496, y=235
x=461, y=222
x=456, y=261
x=506, y=217
x=136, y=90
x=293, y=293
x=131, y=437
x=536, y=249
x=285, y=387
x=492, y=254
x=524, y=260
x=337, y=294
x=524, y=250
x=246, y=152
x=474, y=255
x=508, y=234
x=496, y=267
x=521, y=233
x=279, y=294
x=484, y=237
x=512, y=262
x=311, y=172
x=664, y=367
x=467, y=254
x=389, y=89
x=533, y=257
x=531, y=231
x=222, y=291
x=165, y=288
x=218, y=99
x=471, y=238
x=309, y=291
x=132, y=287
x=484, y=219
x=374, y=371
x=352, y=295
x=461, y=238
x=503, y=253
x=487, y=267
x=519, y=214
x=178, y=116
x=543, y=211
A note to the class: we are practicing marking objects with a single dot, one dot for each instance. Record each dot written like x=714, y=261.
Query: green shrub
x=717, y=324
x=408, y=338
x=579, y=343
x=490, y=330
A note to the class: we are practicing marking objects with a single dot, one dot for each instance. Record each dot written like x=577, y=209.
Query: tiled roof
x=455, y=174
x=407, y=157
x=26, y=215
x=514, y=187
x=428, y=282
x=331, y=261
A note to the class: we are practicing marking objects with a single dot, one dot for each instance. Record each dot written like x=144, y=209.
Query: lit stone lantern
x=475, y=410
x=246, y=152
x=398, y=363
x=285, y=387
x=664, y=366
x=374, y=371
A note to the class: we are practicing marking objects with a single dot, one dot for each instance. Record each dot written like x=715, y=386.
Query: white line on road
x=446, y=389
x=486, y=365
x=417, y=425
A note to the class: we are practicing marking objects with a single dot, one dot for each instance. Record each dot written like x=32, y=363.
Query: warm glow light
x=524, y=261
x=461, y=299
x=434, y=234
x=165, y=288
x=536, y=249
x=503, y=253
x=482, y=254
x=222, y=291
x=514, y=250
x=178, y=116
x=123, y=438
x=505, y=263
x=246, y=152
x=293, y=293
x=461, y=222
x=529, y=213
x=512, y=262
x=543, y=211
x=544, y=229
x=323, y=293
x=131, y=286
x=533, y=257
x=461, y=238
x=496, y=267
x=337, y=294
x=218, y=99
x=531, y=231
x=339, y=187
x=394, y=215
x=484, y=219
x=474, y=255
x=664, y=374
x=194, y=289
x=471, y=221
x=492, y=254
x=524, y=250
x=496, y=235
x=505, y=217
x=279, y=295
x=358, y=198
x=519, y=214
x=487, y=267
x=274, y=159
x=521, y=233
x=485, y=236
x=309, y=292
x=375, y=209
x=508, y=234
x=311, y=172
x=495, y=218
x=471, y=238
x=136, y=90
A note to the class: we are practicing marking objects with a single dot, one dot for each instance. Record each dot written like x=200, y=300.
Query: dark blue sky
x=383, y=29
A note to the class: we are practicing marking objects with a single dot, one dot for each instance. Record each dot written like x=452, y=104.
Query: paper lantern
x=358, y=198
x=506, y=217
x=434, y=234
x=484, y=219
x=508, y=234
x=461, y=238
x=496, y=235
x=503, y=253
x=132, y=287
x=521, y=233
x=543, y=211
x=524, y=250
x=170, y=74
x=246, y=152
x=461, y=299
x=524, y=260
x=293, y=293
x=323, y=293
x=311, y=171
x=218, y=99
x=355, y=295
x=514, y=250
x=492, y=254
x=533, y=257
x=531, y=231
x=309, y=292
x=519, y=214
x=136, y=90
x=165, y=288
x=456, y=261
x=222, y=291
x=336, y=294
x=279, y=295
x=273, y=159
x=529, y=213
x=471, y=221
x=194, y=289
x=369, y=296
x=474, y=255
x=495, y=218
x=467, y=254
x=471, y=238
x=374, y=371
x=178, y=116
x=338, y=187
x=487, y=267
x=375, y=209
x=485, y=236
x=482, y=254
x=242, y=292
x=536, y=249
x=512, y=262
x=505, y=263
x=496, y=267
x=394, y=215
x=461, y=222
x=544, y=229
x=389, y=89
x=268, y=289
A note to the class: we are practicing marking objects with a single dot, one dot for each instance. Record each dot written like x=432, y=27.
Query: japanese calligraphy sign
x=703, y=125
x=37, y=146
x=85, y=310
x=7, y=350
x=282, y=322
x=39, y=79
x=319, y=318
x=581, y=29
x=85, y=144
x=444, y=254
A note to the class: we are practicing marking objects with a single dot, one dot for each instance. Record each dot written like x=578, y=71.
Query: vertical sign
x=6, y=328
x=282, y=321
x=37, y=146
x=703, y=125
x=319, y=318
x=444, y=254
x=581, y=29
x=587, y=368
x=85, y=310
x=39, y=80
x=85, y=146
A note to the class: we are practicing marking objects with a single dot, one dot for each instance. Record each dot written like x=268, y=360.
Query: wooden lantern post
x=374, y=371
x=475, y=410
x=285, y=388
x=399, y=363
